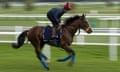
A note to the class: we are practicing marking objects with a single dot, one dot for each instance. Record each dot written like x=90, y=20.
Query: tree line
x=28, y=4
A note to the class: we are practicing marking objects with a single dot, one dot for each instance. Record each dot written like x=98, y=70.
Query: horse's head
x=78, y=22
x=84, y=24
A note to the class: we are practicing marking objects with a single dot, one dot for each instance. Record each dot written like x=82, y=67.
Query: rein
x=78, y=32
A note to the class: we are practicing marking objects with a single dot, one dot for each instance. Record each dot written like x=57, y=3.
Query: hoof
x=70, y=64
x=48, y=68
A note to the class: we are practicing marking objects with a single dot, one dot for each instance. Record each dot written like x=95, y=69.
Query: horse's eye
x=85, y=23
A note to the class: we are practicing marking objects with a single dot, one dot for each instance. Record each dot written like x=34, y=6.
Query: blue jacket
x=55, y=14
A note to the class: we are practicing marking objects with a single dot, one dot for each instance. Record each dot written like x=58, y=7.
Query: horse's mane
x=71, y=19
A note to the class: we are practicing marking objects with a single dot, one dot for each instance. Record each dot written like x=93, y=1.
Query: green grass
x=88, y=59
x=29, y=22
x=18, y=23
x=7, y=37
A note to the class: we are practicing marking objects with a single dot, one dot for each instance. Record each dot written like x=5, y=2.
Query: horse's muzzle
x=88, y=30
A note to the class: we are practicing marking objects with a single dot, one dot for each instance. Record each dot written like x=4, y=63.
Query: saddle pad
x=48, y=33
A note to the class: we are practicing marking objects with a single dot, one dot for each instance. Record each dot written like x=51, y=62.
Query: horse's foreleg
x=71, y=56
x=64, y=59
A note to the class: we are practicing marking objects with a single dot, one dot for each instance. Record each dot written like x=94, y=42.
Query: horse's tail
x=20, y=40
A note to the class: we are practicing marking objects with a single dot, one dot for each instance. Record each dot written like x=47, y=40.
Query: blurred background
x=95, y=52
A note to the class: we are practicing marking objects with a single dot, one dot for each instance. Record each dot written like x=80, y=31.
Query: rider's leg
x=55, y=29
x=54, y=32
x=59, y=26
x=54, y=36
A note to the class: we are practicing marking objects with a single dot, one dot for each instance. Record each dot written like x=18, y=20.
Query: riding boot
x=59, y=27
x=54, y=36
x=54, y=31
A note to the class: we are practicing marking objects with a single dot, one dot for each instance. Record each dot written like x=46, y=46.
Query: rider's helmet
x=68, y=6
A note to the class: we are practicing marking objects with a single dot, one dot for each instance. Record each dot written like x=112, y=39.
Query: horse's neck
x=72, y=28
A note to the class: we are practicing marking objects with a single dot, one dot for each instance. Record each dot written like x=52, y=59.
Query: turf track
x=88, y=59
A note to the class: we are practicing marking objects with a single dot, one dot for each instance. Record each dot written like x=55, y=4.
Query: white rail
x=66, y=15
x=113, y=41
x=77, y=43
x=92, y=34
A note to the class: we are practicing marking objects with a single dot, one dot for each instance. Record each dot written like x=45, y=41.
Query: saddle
x=47, y=34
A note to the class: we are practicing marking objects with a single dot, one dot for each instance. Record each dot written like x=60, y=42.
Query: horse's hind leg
x=37, y=47
x=42, y=55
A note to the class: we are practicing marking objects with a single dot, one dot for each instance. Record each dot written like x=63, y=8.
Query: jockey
x=55, y=14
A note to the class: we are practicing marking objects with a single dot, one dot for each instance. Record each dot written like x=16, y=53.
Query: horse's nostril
x=89, y=31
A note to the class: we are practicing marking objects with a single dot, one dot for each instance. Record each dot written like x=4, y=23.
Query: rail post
x=113, y=48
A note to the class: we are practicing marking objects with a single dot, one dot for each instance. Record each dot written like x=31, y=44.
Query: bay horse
x=70, y=27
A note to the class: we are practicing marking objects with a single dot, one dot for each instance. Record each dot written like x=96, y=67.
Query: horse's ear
x=83, y=15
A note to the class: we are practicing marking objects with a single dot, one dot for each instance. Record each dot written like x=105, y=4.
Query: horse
x=70, y=27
